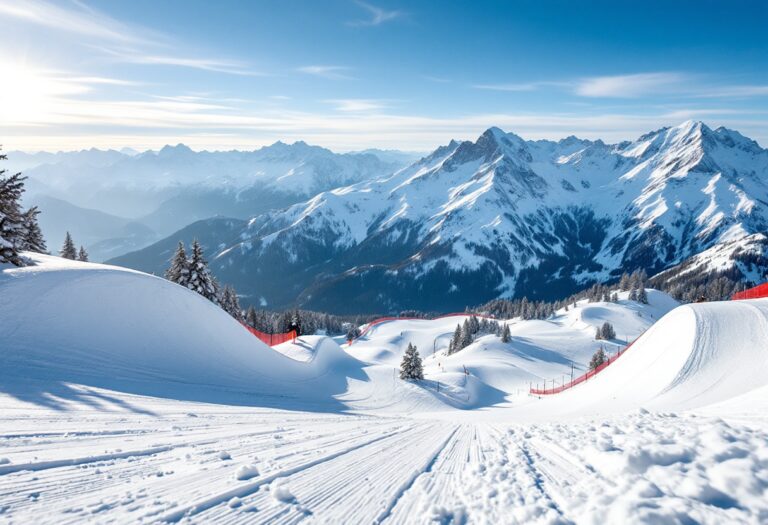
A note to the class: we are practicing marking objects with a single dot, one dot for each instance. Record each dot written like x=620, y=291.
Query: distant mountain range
x=504, y=217
x=159, y=192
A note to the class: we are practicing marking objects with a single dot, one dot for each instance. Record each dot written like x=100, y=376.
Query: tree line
x=19, y=228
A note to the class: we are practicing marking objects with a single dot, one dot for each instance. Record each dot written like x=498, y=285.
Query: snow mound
x=102, y=326
x=695, y=356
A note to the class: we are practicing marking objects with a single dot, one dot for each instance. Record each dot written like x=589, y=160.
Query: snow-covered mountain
x=503, y=216
x=168, y=189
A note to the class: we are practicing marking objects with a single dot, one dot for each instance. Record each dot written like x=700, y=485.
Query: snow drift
x=697, y=355
x=97, y=325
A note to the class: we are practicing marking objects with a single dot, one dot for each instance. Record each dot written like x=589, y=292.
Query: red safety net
x=582, y=378
x=272, y=339
x=753, y=293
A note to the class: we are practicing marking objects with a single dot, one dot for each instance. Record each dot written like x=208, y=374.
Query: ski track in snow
x=673, y=432
x=325, y=468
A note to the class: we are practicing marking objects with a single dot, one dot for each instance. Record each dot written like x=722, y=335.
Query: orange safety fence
x=753, y=293
x=387, y=319
x=272, y=339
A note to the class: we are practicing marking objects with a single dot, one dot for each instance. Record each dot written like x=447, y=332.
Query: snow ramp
x=68, y=322
x=696, y=355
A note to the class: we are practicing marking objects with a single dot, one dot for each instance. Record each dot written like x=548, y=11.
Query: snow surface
x=127, y=399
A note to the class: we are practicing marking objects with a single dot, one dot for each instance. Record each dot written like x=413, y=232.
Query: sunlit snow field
x=127, y=399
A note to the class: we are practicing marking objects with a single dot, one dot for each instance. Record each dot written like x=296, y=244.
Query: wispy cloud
x=82, y=21
x=136, y=56
x=121, y=42
x=377, y=15
x=332, y=72
x=632, y=86
x=357, y=105
x=520, y=87
x=440, y=80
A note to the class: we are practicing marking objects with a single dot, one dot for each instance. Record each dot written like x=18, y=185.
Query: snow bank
x=697, y=355
x=71, y=322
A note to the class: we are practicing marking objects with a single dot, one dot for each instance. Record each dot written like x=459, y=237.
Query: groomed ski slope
x=695, y=356
x=113, y=410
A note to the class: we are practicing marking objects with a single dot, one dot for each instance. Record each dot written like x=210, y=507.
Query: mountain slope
x=502, y=216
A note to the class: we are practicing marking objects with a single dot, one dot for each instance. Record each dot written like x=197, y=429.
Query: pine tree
x=178, y=272
x=11, y=218
x=607, y=331
x=642, y=296
x=455, y=344
x=230, y=303
x=33, y=235
x=506, y=335
x=68, y=250
x=633, y=294
x=250, y=317
x=466, y=334
x=598, y=359
x=598, y=334
x=82, y=255
x=200, y=278
x=410, y=367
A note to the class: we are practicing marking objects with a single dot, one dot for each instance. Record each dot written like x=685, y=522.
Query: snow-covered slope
x=507, y=217
x=489, y=372
x=125, y=399
x=697, y=355
x=68, y=322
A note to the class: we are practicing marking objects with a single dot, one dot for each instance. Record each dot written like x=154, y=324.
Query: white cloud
x=377, y=15
x=231, y=67
x=631, y=86
x=521, y=87
x=122, y=42
x=356, y=105
x=82, y=21
x=332, y=72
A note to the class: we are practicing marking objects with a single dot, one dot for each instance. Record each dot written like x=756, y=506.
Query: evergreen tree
x=178, y=272
x=466, y=335
x=11, y=218
x=598, y=358
x=82, y=255
x=455, y=344
x=230, y=303
x=410, y=367
x=250, y=317
x=68, y=250
x=607, y=331
x=33, y=236
x=642, y=296
x=200, y=278
x=506, y=335
x=633, y=294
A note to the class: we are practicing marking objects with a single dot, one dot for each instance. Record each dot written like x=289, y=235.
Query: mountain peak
x=177, y=149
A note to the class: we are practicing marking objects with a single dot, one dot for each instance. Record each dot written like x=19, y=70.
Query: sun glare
x=31, y=96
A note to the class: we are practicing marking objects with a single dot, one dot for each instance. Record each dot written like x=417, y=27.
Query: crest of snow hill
x=507, y=217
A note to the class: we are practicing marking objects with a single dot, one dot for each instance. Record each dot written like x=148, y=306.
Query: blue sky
x=349, y=74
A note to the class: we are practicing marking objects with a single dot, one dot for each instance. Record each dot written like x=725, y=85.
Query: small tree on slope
x=82, y=255
x=68, y=250
x=178, y=272
x=33, y=238
x=506, y=335
x=598, y=358
x=200, y=278
x=410, y=367
x=230, y=303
